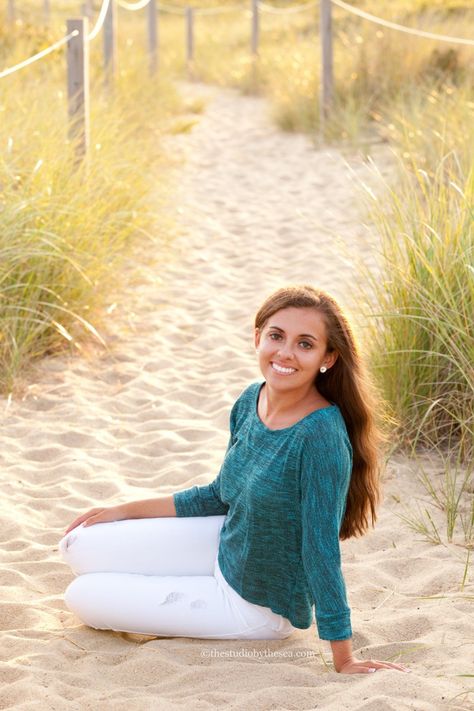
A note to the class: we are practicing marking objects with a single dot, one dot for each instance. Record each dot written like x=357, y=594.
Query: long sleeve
x=200, y=500
x=325, y=475
x=203, y=500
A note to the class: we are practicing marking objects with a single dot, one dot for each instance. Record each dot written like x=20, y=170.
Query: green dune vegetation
x=64, y=226
x=421, y=314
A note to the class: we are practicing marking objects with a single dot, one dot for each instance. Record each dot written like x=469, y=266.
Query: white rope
x=218, y=10
x=133, y=6
x=285, y=10
x=171, y=9
x=100, y=20
x=41, y=54
x=402, y=28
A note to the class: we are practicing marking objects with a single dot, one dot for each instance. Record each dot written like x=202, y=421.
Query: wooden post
x=189, y=40
x=255, y=28
x=46, y=11
x=327, y=83
x=11, y=12
x=110, y=43
x=78, y=85
x=153, y=36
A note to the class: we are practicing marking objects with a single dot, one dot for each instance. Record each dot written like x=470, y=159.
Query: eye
x=275, y=336
x=307, y=345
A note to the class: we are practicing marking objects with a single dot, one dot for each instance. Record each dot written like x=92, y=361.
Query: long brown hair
x=347, y=384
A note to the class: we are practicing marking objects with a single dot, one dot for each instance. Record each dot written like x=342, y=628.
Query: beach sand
x=254, y=209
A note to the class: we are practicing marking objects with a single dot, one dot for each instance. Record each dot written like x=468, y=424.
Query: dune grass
x=67, y=227
x=420, y=319
x=451, y=493
x=422, y=336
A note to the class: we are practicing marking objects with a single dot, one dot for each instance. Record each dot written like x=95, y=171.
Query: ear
x=330, y=359
x=257, y=337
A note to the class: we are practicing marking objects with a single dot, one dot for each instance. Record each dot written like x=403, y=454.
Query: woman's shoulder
x=325, y=430
x=249, y=393
x=245, y=401
x=325, y=449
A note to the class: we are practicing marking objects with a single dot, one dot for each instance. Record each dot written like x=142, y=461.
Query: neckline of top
x=290, y=427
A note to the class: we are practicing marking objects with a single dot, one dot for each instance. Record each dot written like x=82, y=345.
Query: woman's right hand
x=100, y=514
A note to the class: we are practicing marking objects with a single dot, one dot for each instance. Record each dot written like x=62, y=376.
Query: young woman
x=247, y=556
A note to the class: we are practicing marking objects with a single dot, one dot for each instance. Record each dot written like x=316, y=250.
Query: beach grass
x=423, y=297
x=66, y=226
x=448, y=485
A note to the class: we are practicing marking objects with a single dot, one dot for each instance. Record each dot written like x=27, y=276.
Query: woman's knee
x=76, y=592
x=64, y=546
x=81, y=598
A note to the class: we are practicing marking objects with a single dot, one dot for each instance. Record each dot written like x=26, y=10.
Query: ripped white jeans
x=160, y=577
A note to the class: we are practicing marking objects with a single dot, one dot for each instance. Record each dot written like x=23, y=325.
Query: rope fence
x=401, y=28
x=106, y=4
x=78, y=38
x=264, y=7
x=59, y=43
x=39, y=55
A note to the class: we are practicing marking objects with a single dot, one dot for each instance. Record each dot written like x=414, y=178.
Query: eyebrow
x=302, y=335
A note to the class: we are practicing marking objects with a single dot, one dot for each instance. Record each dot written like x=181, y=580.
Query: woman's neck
x=275, y=405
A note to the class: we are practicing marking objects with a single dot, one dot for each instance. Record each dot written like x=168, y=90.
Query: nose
x=285, y=352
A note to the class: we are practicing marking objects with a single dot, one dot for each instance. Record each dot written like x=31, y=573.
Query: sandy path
x=255, y=209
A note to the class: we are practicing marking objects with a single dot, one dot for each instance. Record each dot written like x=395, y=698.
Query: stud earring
x=323, y=369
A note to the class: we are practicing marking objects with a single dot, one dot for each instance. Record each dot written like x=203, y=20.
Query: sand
x=254, y=209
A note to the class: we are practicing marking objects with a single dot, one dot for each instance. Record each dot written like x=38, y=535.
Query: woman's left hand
x=367, y=666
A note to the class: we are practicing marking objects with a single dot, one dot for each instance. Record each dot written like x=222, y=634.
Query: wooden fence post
x=189, y=40
x=153, y=36
x=110, y=43
x=255, y=28
x=78, y=85
x=327, y=83
x=11, y=12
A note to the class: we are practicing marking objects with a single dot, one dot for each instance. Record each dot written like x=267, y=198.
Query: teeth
x=279, y=369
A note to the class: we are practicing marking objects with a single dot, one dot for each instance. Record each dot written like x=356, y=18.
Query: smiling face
x=292, y=348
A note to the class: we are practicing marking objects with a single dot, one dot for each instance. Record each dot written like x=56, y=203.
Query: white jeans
x=160, y=577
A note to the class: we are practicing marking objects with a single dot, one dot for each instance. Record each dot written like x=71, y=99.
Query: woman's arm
x=149, y=508
x=341, y=652
x=324, y=479
x=345, y=662
x=200, y=500
x=145, y=508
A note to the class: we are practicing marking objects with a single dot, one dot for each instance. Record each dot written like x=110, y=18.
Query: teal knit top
x=284, y=495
